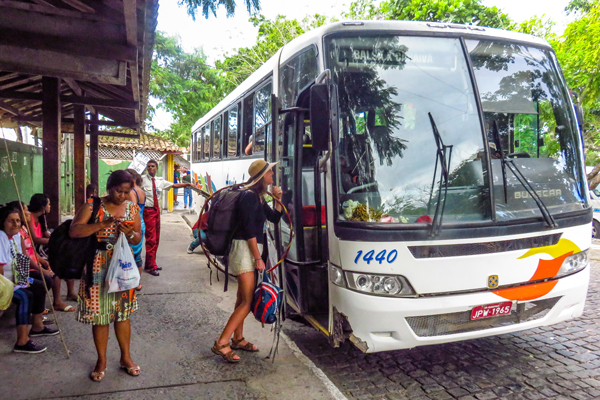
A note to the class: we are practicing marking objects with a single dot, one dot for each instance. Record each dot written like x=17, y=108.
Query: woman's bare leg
x=37, y=322
x=22, y=335
x=59, y=304
x=236, y=320
x=71, y=295
x=100, y=333
x=123, y=333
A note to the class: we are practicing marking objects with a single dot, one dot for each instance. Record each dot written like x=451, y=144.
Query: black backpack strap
x=232, y=235
x=95, y=209
x=91, y=250
x=226, y=262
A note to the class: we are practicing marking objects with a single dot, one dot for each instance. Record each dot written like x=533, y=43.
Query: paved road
x=557, y=362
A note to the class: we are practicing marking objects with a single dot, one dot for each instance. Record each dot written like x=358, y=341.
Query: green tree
x=578, y=51
x=272, y=35
x=185, y=85
x=207, y=7
x=455, y=11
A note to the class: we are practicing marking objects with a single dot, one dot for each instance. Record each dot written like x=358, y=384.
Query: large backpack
x=266, y=300
x=223, y=218
x=68, y=256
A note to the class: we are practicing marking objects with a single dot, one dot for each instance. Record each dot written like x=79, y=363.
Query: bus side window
x=199, y=143
x=232, y=132
x=206, y=143
x=216, y=137
x=247, y=125
x=262, y=118
x=194, y=146
x=296, y=74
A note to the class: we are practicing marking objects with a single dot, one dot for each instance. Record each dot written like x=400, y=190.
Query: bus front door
x=302, y=184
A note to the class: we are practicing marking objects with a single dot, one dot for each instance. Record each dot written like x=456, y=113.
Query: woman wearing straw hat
x=245, y=255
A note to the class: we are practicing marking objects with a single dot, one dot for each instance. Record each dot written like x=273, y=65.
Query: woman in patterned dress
x=117, y=214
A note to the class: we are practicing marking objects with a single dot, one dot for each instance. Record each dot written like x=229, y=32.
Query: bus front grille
x=460, y=322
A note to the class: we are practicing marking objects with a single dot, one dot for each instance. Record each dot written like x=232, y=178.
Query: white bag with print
x=122, y=273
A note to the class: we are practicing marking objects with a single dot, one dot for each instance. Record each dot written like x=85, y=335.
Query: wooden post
x=94, y=151
x=79, y=152
x=51, y=146
x=170, y=172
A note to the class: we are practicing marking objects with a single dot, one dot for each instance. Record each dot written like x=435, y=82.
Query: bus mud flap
x=342, y=331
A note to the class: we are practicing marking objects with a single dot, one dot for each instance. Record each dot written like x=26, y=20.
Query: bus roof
x=314, y=36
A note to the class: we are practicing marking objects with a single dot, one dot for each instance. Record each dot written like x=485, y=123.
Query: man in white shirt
x=153, y=187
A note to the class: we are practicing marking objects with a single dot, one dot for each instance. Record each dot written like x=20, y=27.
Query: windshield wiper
x=505, y=162
x=496, y=137
x=534, y=195
x=443, y=156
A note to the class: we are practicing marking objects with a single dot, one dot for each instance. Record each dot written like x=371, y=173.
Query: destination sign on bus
x=373, y=56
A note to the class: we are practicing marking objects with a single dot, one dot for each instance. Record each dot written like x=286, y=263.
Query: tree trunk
x=594, y=177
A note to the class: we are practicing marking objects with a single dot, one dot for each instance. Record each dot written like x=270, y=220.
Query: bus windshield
x=387, y=87
x=388, y=168
x=526, y=106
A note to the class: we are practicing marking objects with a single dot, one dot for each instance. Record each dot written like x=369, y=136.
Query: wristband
x=132, y=236
x=257, y=259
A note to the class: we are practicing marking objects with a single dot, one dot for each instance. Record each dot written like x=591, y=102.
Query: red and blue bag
x=266, y=301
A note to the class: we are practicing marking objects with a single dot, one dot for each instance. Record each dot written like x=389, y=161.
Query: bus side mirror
x=320, y=112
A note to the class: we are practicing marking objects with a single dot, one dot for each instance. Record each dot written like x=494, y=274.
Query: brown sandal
x=235, y=344
x=228, y=356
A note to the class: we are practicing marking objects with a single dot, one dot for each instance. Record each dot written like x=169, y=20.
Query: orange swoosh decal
x=549, y=268
x=545, y=269
x=528, y=292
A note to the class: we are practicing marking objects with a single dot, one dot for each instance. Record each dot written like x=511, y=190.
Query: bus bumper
x=387, y=323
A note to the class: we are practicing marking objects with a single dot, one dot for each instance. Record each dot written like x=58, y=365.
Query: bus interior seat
x=309, y=216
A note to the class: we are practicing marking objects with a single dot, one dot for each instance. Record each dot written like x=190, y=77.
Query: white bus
x=433, y=174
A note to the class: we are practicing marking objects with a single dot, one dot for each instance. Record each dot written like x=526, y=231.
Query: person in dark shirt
x=245, y=255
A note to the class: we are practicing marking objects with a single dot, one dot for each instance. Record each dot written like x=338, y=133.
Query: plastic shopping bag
x=6, y=292
x=122, y=273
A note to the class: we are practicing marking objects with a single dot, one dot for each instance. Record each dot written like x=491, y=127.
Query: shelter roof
x=101, y=50
x=145, y=142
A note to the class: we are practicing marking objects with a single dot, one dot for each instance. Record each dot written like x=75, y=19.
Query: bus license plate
x=491, y=310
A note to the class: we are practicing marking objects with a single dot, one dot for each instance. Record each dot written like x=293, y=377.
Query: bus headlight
x=574, y=263
x=383, y=285
x=336, y=276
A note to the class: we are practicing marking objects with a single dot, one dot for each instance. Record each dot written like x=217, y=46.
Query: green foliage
x=185, y=85
x=579, y=6
x=272, y=35
x=579, y=51
x=537, y=26
x=208, y=7
x=455, y=11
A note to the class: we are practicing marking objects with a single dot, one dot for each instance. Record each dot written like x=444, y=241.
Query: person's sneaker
x=47, y=331
x=189, y=249
x=29, y=347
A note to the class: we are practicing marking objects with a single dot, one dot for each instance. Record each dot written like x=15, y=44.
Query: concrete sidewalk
x=180, y=317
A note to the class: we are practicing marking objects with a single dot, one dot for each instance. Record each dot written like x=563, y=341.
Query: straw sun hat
x=257, y=170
